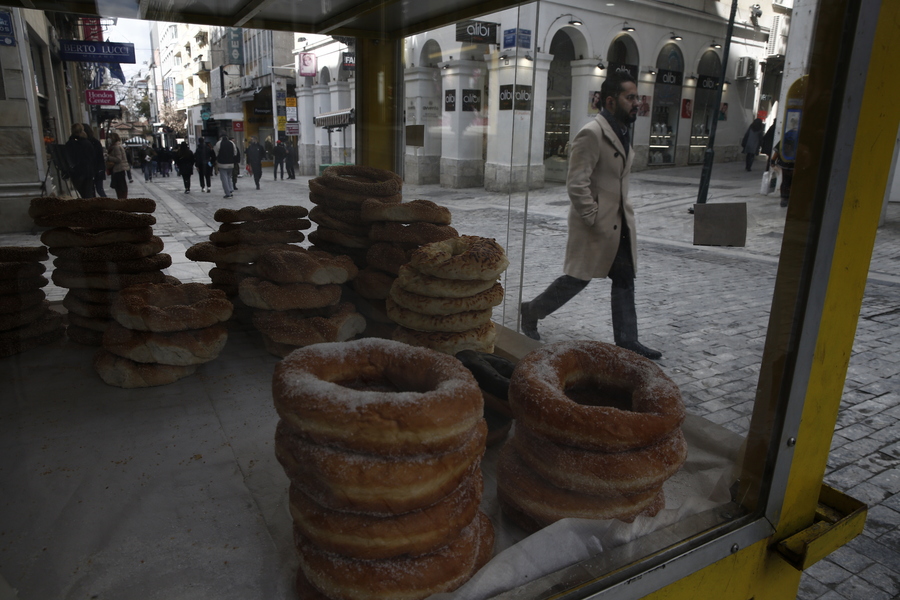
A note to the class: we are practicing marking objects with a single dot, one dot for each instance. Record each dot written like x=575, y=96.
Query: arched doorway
x=559, y=98
x=709, y=70
x=666, y=105
x=623, y=55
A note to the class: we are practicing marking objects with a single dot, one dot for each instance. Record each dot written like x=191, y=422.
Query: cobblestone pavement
x=706, y=308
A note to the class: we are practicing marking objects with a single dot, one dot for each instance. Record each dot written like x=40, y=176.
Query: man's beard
x=625, y=117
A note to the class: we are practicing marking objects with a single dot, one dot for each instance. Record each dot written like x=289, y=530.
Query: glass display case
x=115, y=492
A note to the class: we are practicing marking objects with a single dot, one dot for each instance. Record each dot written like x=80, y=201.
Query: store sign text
x=81, y=51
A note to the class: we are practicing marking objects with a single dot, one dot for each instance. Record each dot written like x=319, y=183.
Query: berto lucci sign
x=100, y=52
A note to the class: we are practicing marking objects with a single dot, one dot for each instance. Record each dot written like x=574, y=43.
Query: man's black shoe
x=643, y=350
x=528, y=321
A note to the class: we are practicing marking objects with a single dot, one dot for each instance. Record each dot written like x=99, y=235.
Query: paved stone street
x=705, y=308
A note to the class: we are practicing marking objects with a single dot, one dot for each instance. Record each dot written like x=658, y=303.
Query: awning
x=228, y=116
x=337, y=118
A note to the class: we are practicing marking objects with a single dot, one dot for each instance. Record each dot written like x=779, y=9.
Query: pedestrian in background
x=280, y=155
x=270, y=148
x=82, y=160
x=255, y=154
x=752, y=142
x=184, y=160
x=602, y=241
x=237, y=164
x=786, y=169
x=203, y=159
x=118, y=165
x=99, y=161
x=147, y=155
x=289, y=159
x=225, y=157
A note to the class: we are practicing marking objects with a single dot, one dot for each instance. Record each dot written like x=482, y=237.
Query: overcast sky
x=132, y=31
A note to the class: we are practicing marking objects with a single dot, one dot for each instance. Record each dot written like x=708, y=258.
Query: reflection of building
x=538, y=73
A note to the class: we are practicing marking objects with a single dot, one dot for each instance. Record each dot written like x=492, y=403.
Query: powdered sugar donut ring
x=428, y=305
x=597, y=376
x=417, y=211
x=461, y=321
x=464, y=257
x=397, y=578
x=438, y=287
x=360, y=179
x=414, y=233
x=370, y=536
x=267, y=295
x=165, y=307
x=601, y=473
x=360, y=395
x=374, y=483
x=534, y=503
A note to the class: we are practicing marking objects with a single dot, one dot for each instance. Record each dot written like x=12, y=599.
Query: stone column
x=515, y=149
x=341, y=141
x=307, y=147
x=463, y=131
x=322, y=104
x=424, y=106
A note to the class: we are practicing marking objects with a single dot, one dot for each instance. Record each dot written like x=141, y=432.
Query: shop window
x=705, y=109
x=666, y=105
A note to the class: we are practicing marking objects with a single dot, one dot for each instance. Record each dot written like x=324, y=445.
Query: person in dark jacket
x=270, y=148
x=289, y=159
x=237, y=164
x=184, y=160
x=255, y=154
x=204, y=159
x=768, y=141
x=280, y=155
x=147, y=157
x=82, y=159
x=99, y=161
x=226, y=151
x=752, y=141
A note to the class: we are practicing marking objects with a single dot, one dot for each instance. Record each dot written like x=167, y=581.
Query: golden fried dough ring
x=350, y=216
x=414, y=233
x=534, y=503
x=82, y=237
x=403, y=577
x=49, y=206
x=229, y=277
x=93, y=295
x=230, y=238
x=461, y=321
x=12, y=303
x=23, y=253
x=24, y=317
x=360, y=179
x=154, y=262
x=601, y=473
x=104, y=281
x=49, y=321
x=95, y=323
x=164, y=307
x=429, y=305
x=21, y=269
x=85, y=336
x=124, y=373
x=341, y=199
x=119, y=251
x=23, y=284
x=333, y=236
x=283, y=224
x=268, y=295
x=95, y=310
x=238, y=253
x=374, y=483
x=189, y=347
x=464, y=257
x=305, y=266
x=19, y=345
x=389, y=256
x=417, y=211
x=480, y=339
x=359, y=395
x=323, y=219
x=298, y=328
x=373, y=284
x=437, y=287
x=371, y=536
x=545, y=380
x=252, y=213
x=97, y=219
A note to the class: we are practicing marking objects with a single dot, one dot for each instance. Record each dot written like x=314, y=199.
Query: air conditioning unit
x=777, y=44
x=746, y=68
x=246, y=82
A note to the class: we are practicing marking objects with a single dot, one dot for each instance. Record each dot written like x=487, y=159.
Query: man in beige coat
x=602, y=240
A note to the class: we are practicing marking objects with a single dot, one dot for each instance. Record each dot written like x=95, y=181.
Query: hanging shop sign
x=348, y=61
x=7, y=33
x=471, y=100
x=91, y=29
x=292, y=128
x=517, y=38
x=669, y=77
x=103, y=52
x=282, y=121
x=707, y=82
x=523, y=97
x=237, y=125
x=450, y=100
x=505, y=101
x=632, y=70
x=235, y=40
x=477, y=32
x=100, y=97
x=262, y=111
x=307, y=62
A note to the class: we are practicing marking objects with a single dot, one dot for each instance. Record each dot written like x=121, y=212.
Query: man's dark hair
x=612, y=85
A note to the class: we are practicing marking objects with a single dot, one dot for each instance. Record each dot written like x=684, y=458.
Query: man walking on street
x=280, y=154
x=601, y=240
x=225, y=156
x=255, y=153
x=237, y=164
